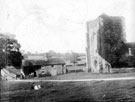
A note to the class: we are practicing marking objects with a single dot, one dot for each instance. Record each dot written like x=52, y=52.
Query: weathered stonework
x=95, y=62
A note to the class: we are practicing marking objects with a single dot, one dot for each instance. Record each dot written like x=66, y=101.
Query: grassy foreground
x=84, y=75
x=94, y=91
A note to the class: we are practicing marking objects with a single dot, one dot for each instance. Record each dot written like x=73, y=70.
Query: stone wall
x=95, y=62
x=52, y=71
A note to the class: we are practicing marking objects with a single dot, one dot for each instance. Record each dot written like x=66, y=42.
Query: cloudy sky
x=59, y=25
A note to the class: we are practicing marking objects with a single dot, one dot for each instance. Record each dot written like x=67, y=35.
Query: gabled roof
x=13, y=70
x=28, y=62
x=55, y=61
x=51, y=61
x=36, y=57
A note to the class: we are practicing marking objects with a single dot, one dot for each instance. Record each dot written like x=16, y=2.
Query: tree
x=2, y=54
x=72, y=57
x=9, y=52
x=51, y=54
x=113, y=40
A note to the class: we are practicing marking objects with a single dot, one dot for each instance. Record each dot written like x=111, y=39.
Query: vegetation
x=72, y=57
x=90, y=91
x=2, y=54
x=9, y=52
x=113, y=40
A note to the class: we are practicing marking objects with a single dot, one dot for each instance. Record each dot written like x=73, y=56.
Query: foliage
x=15, y=58
x=113, y=40
x=2, y=54
x=127, y=61
x=51, y=54
x=9, y=52
x=72, y=57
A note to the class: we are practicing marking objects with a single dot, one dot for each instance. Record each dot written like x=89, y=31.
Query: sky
x=59, y=25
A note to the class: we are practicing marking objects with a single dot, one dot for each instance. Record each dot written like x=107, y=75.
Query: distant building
x=36, y=57
x=81, y=60
x=131, y=49
x=69, y=63
x=53, y=66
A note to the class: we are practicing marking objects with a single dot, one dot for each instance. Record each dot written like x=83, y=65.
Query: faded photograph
x=67, y=51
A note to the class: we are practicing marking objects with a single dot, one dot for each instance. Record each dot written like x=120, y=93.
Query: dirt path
x=75, y=80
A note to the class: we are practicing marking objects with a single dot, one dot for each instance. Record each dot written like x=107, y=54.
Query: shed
x=56, y=66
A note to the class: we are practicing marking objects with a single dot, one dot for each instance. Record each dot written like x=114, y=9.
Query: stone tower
x=95, y=62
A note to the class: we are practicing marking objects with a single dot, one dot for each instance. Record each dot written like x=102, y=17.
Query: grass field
x=85, y=75
x=93, y=91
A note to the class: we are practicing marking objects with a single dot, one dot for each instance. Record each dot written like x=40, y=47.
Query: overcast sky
x=59, y=25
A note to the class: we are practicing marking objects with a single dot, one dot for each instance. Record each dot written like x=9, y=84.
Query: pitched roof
x=36, y=57
x=13, y=70
x=55, y=61
x=51, y=61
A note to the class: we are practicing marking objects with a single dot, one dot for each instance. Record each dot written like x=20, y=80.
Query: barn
x=52, y=67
